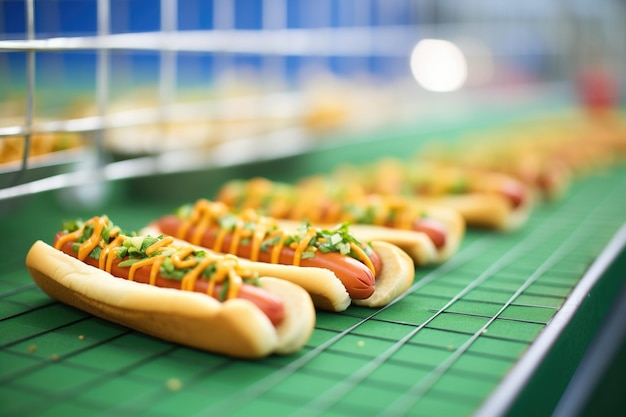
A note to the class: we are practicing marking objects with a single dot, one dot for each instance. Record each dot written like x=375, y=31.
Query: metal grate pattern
x=170, y=48
x=442, y=349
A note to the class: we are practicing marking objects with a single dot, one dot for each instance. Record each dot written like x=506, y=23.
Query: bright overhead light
x=438, y=65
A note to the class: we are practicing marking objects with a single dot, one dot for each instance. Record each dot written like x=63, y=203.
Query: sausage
x=318, y=201
x=268, y=303
x=514, y=191
x=433, y=228
x=357, y=278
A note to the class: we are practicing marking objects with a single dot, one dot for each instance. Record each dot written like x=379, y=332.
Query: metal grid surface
x=52, y=62
x=163, y=49
x=441, y=349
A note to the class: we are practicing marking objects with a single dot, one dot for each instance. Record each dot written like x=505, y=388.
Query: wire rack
x=70, y=63
x=169, y=50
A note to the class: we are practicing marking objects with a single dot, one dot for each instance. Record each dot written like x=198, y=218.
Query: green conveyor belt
x=442, y=349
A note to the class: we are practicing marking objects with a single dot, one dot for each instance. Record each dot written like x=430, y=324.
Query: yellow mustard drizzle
x=235, y=282
x=319, y=202
x=103, y=261
x=303, y=244
x=225, y=270
x=257, y=238
x=219, y=239
x=227, y=266
x=383, y=206
x=182, y=230
x=310, y=203
x=156, y=267
x=67, y=238
x=260, y=231
x=108, y=259
x=90, y=244
x=204, y=222
x=206, y=213
x=236, y=237
x=189, y=280
x=363, y=257
x=278, y=247
x=178, y=258
x=166, y=241
x=139, y=264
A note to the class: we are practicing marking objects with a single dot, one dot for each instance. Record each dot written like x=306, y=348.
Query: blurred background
x=192, y=84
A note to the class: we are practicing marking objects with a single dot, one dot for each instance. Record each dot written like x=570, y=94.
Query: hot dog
x=359, y=268
x=177, y=293
x=483, y=198
x=429, y=234
x=546, y=153
x=533, y=162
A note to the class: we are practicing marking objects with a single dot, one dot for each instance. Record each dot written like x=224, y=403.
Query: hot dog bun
x=323, y=286
x=490, y=211
x=395, y=278
x=327, y=292
x=403, y=220
x=416, y=244
x=235, y=327
x=484, y=199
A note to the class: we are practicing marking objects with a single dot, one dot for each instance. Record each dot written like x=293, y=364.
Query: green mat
x=442, y=349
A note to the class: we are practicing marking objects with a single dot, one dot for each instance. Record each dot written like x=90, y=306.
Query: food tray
x=468, y=338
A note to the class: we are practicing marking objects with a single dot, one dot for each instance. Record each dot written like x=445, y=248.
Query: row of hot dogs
x=256, y=260
x=249, y=286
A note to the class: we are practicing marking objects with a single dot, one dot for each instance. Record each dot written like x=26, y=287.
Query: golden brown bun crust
x=323, y=286
x=234, y=328
x=325, y=289
x=297, y=326
x=395, y=278
x=453, y=223
x=484, y=210
x=416, y=244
